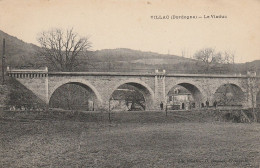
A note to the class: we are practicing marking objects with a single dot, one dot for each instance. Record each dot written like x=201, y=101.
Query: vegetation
x=19, y=53
x=23, y=55
x=148, y=140
x=62, y=48
x=18, y=97
x=4, y=92
x=211, y=59
x=130, y=95
x=229, y=95
x=252, y=89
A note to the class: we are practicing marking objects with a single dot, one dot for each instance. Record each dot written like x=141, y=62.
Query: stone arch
x=141, y=86
x=75, y=81
x=196, y=92
x=234, y=83
x=238, y=91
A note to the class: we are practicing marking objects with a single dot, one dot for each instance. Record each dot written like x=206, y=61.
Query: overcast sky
x=128, y=24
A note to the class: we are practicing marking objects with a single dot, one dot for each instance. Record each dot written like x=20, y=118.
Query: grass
x=75, y=143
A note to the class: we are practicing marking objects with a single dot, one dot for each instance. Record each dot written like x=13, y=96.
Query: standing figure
x=161, y=105
x=202, y=105
x=215, y=104
x=207, y=103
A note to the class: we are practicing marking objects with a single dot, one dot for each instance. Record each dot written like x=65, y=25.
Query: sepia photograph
x=129, y=83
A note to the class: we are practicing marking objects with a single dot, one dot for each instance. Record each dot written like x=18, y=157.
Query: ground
x=73, y=143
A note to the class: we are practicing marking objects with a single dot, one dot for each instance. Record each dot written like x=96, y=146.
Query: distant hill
x=122, y=59
x=252, y=66
x=134, y=56
x=18, y=53
x=24, y=55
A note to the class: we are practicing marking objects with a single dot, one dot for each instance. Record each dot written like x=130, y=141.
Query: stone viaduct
x=153, y=86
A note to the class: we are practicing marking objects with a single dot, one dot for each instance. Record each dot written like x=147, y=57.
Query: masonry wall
x=104, y=86
x=39, y=86
x=155, y=87
x=206, y=85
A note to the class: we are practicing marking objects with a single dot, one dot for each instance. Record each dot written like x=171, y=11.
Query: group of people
x=215, y=103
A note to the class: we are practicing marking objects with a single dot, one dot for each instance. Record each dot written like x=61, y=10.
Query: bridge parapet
x=27, y=73
x=32, y=73
x=160, y=73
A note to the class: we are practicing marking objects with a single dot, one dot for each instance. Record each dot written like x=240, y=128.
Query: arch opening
x=184, y=96
x=130, y=96
x=73, y=96
x=229, y=95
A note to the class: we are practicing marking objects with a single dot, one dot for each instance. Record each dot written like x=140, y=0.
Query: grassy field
x=72, y=143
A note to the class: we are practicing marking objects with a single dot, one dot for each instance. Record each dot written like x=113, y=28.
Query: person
x=161, y=105
x=207, y=103
x=215, y=104
x=182, y=106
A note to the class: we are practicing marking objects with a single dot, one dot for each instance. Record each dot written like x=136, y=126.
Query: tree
x=136, y=100
x=229, y=95
x=131, y=96
x=228, y=57
x=62, y=48
x=209, y=57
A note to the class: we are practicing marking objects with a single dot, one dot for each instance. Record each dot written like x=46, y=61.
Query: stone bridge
x=153, y=86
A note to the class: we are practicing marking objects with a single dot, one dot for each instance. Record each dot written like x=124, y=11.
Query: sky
x=113, y=24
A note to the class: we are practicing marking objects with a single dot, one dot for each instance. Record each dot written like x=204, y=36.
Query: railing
x=27, y=73
x=34, y=73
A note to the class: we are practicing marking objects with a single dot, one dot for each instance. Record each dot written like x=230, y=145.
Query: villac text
x=188, y=17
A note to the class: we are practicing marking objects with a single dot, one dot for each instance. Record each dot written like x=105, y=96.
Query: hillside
x=18, y=53
x=24, y=55
x=129, y=55
x=122, y=59
x=254, y=66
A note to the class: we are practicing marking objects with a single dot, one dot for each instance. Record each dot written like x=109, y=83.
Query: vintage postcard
x=130, y=83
